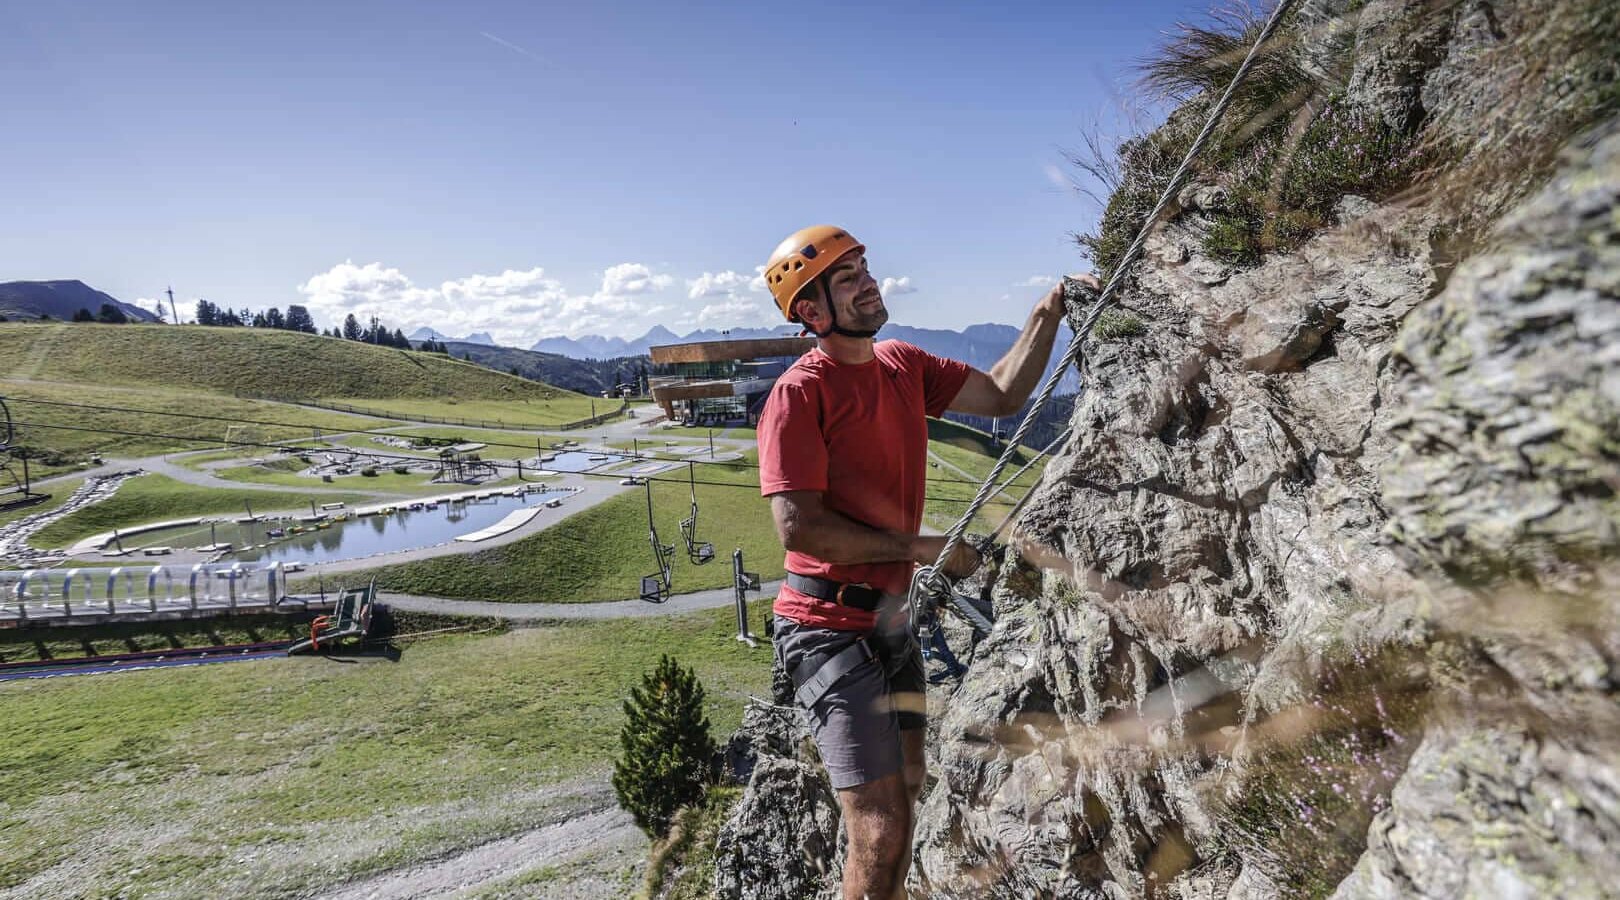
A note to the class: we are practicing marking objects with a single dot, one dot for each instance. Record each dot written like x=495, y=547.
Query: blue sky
x=541, y=168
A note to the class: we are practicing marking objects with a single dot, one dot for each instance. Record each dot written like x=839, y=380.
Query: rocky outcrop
x=782, y=840
x=1321, y=598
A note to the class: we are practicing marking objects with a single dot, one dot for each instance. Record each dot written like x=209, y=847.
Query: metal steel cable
x=380, y=432
x=931, y=574
x=293, y=447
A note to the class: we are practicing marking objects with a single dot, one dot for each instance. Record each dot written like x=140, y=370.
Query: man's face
x=854, y=294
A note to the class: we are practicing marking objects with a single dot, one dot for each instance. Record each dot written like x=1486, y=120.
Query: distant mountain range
x=976, y=345
x=60, y=300
x=478, y=337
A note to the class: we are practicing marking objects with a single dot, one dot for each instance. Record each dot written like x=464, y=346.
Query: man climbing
x=843, y=445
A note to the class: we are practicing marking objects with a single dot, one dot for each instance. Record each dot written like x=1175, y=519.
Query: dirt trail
x=592, y=855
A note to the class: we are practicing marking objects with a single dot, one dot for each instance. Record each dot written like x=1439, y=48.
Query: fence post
x=743, y=582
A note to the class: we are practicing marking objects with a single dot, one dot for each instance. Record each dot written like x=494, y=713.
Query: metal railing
x=56, y=594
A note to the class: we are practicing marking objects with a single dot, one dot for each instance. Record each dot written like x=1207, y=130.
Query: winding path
x=541, y=612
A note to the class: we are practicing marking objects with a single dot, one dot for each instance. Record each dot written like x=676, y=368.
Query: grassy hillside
x=968, y=451
x=287, y=777
x=259, y=362
x=67, y=449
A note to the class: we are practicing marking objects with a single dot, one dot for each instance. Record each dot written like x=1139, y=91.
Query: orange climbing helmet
x=798, y=260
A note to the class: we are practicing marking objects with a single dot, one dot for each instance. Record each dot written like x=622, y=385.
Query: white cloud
x=1058, y=179
x=515, y=307
x=894, y=287
x=153, y=305
x=720, y=284
x=737, y=312
x=1038, y=281
x=632, y=278
x=734, y=300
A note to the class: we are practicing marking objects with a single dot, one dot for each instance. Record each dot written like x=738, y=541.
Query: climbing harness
x=655, y=588
x=929, y=584
x=698, y=553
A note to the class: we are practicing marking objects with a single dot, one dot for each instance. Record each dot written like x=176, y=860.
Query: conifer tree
x=667, y=747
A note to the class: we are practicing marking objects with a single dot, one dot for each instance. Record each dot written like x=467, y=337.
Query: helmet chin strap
x=832, y=312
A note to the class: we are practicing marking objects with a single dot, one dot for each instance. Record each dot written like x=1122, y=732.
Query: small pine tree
x=667, y=747
x=83, y=315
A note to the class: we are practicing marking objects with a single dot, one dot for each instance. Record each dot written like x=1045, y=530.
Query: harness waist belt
x=855, y=596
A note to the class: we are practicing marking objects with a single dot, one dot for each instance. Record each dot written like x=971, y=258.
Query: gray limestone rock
x=781, y=842
x=1320, y=599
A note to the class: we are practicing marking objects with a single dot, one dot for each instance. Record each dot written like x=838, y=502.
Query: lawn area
x=155, y=498
x=525, y=411
x=73, y=448
x=601, y=553
x=285, y=777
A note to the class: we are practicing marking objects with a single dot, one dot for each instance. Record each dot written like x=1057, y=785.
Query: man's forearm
x=1019, y=371
x=836, y=538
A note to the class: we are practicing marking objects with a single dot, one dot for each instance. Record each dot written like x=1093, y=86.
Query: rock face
x=1322, y=599
x=782, y=841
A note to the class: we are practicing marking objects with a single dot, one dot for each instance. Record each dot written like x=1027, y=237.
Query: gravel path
x=603, y=835
x=540, y=612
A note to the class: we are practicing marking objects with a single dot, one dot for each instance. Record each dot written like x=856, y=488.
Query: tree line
x=108, y=314
x=297, y=318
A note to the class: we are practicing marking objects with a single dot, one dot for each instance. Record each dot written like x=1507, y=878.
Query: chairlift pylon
x=23, y=493
x=698, y=553
x=8, y=431
x=655, y=588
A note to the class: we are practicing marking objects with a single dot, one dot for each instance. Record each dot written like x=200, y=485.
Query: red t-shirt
x=858, y=434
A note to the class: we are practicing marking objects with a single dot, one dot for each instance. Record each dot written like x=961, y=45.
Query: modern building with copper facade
x=718, y=382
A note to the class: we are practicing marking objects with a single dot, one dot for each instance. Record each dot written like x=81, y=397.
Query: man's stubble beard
x=865, y=321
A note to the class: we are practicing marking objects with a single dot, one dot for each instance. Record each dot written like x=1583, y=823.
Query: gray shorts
x=857, y=723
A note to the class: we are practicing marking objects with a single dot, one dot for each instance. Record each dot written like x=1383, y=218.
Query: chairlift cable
x=376, y=455
x=376, y=432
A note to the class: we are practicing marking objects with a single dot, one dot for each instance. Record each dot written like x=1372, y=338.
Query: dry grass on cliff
x=1293, y=143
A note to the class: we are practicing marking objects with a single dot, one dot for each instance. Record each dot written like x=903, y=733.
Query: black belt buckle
x=866, y=597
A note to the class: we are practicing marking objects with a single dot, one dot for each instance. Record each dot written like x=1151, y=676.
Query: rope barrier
x=930, y=579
